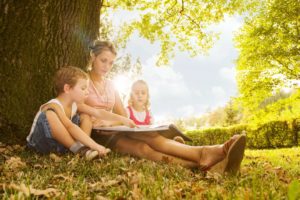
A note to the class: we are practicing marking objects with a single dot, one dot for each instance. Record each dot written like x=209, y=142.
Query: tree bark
x=37, y=38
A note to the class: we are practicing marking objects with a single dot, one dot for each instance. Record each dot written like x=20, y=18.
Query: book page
x=142, y=128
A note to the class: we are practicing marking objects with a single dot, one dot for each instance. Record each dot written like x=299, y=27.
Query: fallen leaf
x=136, y=192
x=55, y=158
x=18, y=147
x=29, y=190
x=103, y=185
x=63, y=177
x=3, y=150
x=38, y=166
x=14, y=164
x=99, y=197
x=74, y=161
x=75, y=193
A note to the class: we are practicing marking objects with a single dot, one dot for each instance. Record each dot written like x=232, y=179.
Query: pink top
x=103, y=100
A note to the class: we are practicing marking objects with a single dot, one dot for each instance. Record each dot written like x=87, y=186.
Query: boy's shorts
x=41, y=139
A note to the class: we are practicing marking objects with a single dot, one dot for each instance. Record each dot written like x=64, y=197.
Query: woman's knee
x=86, y=120
x=133, y=147
x=144, y=149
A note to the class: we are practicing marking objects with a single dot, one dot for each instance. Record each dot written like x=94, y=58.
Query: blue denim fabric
x=42, y=140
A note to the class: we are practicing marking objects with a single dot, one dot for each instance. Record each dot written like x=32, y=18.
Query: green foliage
x=172, y=22
x=269, y=135
x=294, y=190
x=217, y=135
x=268, y=62
x=228, y=115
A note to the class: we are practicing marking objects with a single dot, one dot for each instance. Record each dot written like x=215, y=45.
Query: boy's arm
x=73, y=129
x=104, y=115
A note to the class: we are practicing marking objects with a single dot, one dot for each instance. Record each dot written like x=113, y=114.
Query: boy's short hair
x=68, y=75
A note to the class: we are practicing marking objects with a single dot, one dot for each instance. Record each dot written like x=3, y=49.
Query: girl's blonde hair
x=130, y=101
x=97, y=47
x=68, y=75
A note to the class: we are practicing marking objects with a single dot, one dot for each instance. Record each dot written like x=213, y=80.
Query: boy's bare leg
x=86, y=123
x=203, y=155
x=58, y=131
x=142, y=150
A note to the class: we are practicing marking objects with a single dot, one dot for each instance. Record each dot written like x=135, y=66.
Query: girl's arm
x=119, y=107
x=104, y=115
x=74, y=130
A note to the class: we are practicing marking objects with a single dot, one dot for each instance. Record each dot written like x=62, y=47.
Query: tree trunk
x=37, y=38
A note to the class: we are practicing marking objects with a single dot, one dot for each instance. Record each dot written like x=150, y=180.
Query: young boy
x=55, y=126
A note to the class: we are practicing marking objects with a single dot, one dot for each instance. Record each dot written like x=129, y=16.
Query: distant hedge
x=269, y=135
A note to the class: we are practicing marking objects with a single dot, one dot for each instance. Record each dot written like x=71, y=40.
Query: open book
x=168, y=131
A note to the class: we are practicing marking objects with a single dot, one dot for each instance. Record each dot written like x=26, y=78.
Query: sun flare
x=122, y=84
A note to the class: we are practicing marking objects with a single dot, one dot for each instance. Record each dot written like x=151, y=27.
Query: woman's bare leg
x=86, y=123
x=203, y=155
x=141, y=149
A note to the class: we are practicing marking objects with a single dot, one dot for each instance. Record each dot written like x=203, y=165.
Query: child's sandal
x=88, y=153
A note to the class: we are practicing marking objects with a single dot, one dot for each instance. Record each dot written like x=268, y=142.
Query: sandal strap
x=228, y=143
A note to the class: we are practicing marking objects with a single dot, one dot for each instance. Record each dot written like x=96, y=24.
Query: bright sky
x=189, y=86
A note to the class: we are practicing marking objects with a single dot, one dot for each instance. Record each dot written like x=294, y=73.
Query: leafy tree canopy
x=176, y=24
x=268, y=61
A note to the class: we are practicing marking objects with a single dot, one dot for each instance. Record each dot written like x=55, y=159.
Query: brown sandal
x=234, y=151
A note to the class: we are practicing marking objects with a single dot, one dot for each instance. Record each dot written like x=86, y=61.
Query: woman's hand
x=128, y=122
x=102, y=123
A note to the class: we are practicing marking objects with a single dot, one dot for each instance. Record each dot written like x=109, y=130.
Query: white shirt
x=56, y=101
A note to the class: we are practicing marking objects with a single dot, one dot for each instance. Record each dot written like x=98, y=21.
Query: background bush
x=269, y=135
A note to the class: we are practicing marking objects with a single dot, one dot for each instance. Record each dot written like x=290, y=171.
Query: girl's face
x=139, y=94
x=80, y=91
x=103, y=63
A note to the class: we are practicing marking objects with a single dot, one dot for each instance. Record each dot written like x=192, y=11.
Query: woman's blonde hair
x=97, y=47
x=130, y=101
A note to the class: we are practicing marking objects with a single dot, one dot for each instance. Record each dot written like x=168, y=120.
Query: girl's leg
x=141, y=149
x=86, y=123
x=203, y=155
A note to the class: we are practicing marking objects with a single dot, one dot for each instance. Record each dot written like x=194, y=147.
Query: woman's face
x=103, y=63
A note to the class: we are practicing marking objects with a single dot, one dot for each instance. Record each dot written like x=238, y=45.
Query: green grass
x=265, y=174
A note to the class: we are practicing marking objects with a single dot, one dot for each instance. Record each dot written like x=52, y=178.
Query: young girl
x=138, y=106
x=152, y=146
x=55, y=127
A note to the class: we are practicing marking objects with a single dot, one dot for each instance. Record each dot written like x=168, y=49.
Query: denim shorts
x=41, y=139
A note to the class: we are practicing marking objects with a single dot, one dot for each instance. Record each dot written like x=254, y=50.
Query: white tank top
x=56, y=101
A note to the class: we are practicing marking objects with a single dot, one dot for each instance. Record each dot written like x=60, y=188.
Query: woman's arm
x=104, y=115
x=119, y=107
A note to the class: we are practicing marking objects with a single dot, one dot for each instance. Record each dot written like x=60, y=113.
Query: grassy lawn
x=265, y=174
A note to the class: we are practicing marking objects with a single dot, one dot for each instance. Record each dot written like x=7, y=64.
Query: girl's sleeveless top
x=140, y=118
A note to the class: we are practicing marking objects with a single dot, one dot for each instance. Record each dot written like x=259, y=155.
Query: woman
x=151, y=146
